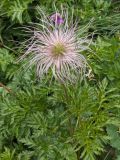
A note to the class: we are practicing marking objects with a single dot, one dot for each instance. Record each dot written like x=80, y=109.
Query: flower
x=57, y=18
x=57, y=48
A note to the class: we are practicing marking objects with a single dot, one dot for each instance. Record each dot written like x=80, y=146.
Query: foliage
x=48, y=120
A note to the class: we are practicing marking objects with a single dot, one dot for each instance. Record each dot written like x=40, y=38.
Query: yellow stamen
x=58, y=49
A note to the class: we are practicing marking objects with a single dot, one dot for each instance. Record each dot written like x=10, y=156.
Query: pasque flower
x=57, y=18
x=56, y=46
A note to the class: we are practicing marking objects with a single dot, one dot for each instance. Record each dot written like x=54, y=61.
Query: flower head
x=57, y=48
x=57, y=18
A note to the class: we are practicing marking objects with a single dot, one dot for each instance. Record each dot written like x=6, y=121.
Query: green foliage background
x=48, y=121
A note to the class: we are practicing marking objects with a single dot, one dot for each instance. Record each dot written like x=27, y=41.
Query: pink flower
x=57, y=48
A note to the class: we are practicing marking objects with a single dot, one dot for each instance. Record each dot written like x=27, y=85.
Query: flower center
x=58, y=49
